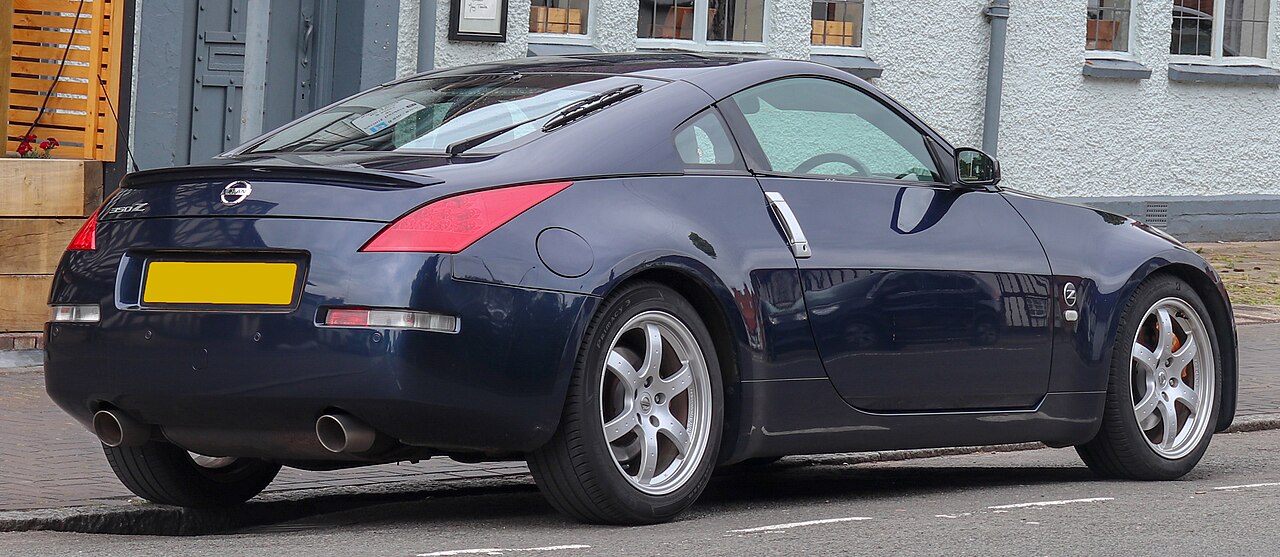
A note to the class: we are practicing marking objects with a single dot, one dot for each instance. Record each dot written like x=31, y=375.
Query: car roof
x=660, y=65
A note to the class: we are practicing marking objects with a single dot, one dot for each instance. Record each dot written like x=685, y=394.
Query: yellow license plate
x=218, y=283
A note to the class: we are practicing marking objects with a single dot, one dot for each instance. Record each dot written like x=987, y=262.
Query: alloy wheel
x=656, y=402
x=1172, y=378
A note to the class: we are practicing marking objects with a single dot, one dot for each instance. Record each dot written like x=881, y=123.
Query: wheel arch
x=1216, y=300
x=716, y=306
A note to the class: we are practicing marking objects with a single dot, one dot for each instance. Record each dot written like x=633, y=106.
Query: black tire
x=1121, y=449
x=166, y=474
x=576, y=470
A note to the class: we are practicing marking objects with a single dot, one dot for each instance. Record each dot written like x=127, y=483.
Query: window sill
x=560, y=38
x=1110, y=68
x=560, y=49
x=688, y=45
x=1233, y=75
x=860, y=66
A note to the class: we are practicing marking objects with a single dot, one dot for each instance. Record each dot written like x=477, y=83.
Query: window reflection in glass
x=735, y=20
x=1192, y=28
x=1245, y=31
x=666, y=19
x=1108, y=25
x=727, y=20
x=563, y=17
x=837, y=22
x=822, y=128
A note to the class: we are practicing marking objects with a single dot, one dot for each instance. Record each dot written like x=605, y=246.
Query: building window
x=837, y=22
x=561, y=17
x=1245, y=28
x=726, y=20
x=1221, y=28
x=1108, y=25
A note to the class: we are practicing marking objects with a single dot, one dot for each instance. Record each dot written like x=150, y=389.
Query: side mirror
x=975, y=168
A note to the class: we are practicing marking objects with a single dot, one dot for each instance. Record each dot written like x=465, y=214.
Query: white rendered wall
x=1062, y=134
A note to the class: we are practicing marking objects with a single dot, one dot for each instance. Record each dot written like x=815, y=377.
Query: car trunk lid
x=348, y=192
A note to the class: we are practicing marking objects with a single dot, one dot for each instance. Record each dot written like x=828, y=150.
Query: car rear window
x=429, y=114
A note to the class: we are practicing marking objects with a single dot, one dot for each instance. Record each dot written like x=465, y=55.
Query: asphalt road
x=1027, y=503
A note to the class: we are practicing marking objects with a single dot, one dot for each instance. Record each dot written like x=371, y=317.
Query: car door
x=921, y=296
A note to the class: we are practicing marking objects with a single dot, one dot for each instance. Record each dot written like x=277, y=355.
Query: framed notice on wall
x=478, y=20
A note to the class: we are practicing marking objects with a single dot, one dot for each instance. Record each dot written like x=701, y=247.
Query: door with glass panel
x=918, y=296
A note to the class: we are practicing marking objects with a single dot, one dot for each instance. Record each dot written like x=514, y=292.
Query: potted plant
x=27, y=149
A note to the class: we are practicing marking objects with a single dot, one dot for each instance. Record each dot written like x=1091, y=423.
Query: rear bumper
x=231, y=384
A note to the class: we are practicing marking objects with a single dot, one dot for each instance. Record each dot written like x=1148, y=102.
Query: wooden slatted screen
x=78, y=112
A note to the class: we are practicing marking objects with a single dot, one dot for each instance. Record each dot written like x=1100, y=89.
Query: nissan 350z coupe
x=627, y=270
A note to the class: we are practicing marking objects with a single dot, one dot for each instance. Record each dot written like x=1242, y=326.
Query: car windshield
x=429, y=114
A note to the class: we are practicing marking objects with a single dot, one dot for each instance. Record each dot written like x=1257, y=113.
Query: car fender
x=1107, y=256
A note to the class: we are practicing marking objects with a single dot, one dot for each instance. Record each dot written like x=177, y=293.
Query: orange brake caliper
x=1177, y=345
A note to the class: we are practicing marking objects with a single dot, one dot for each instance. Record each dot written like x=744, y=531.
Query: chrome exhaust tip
x=341, y=433
x=116, y=429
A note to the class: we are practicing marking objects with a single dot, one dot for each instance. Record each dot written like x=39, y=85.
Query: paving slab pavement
x=47, y=460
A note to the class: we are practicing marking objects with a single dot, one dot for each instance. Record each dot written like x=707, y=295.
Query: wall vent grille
x=1156, y=213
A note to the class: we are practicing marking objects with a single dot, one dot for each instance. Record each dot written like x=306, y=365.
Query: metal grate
x=1156, y=213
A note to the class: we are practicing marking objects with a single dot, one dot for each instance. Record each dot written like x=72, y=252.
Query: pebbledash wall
x=1197, y=158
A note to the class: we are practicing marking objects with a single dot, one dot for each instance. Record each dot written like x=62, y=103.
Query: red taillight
x=450, y=225
x=347, y=318
x=87, y=238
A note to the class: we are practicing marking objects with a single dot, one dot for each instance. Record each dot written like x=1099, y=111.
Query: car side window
x=824, y=128
x=704, y=141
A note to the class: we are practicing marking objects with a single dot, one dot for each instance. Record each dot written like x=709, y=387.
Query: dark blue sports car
x=628, y=270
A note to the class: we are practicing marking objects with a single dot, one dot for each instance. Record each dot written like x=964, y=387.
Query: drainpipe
x=253, y=96
x=427, y=35
x=997, y=13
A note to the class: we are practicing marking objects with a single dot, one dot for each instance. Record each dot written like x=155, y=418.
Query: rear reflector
x=76, y=314
x=452, y=224
x=87, y=238
x=391, y=319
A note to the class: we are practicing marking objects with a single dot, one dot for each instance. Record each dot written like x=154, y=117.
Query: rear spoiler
x=347, y=176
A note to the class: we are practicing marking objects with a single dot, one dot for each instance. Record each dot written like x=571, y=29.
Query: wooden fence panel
x=77, y=106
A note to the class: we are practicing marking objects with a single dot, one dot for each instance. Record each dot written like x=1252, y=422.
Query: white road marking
x=951, y=515
x=789, y=525
x=1246, y=486
x=496, y=551
x=1051, y=503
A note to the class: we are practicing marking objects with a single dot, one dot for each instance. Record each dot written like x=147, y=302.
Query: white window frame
x=584, y=39
x=1219, y=34
x=1133, y=36
x=860, y=50
x=699, y=43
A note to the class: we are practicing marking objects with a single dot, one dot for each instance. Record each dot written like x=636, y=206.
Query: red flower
x=31, y=138
x=24, y=148
x=44, y=145
x=53, y=142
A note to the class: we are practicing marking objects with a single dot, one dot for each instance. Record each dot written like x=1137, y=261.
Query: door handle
x=790, y=226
